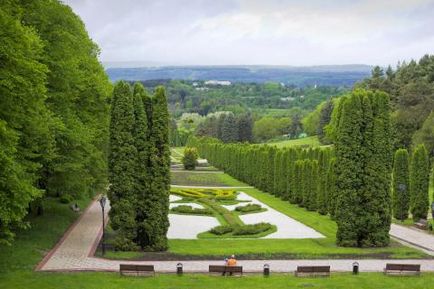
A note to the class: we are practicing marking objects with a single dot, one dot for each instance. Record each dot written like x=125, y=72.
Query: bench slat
x=313, y=269
x=223, y=268
x=403, y=267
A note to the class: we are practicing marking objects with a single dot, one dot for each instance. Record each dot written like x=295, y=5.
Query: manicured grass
x=187, y=178
x=30, y=280
x=307, y=141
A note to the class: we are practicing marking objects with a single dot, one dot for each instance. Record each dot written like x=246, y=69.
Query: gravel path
x=287, y=228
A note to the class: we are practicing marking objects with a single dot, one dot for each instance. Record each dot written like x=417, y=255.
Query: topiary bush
x=251, y=229
x=241, y=230
x=185, y=209
x=221, y=230
x=190, y=158
x=249, y=208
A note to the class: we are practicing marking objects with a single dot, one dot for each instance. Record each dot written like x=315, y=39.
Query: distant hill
x=334, y=75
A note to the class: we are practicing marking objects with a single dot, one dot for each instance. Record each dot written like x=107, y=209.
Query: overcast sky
x=275, y=32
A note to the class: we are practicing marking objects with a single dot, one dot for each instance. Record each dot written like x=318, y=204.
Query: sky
x=259, y=32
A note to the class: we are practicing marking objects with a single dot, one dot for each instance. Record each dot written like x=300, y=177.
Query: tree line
x=139, y=162
x=54, y=110
x=352, y=182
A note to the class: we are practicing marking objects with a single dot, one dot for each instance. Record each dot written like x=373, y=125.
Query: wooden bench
x=224, y=270
x=312, y=271
x=136, y=270
x=421, y=224
x=402, y=269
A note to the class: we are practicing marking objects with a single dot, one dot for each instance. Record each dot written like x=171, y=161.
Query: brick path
x=75, y=250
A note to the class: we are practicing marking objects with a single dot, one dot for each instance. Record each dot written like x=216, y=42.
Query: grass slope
x=307, y=141
x=187, y=178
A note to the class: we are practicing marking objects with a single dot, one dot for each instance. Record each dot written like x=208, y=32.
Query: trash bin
x=355, y=268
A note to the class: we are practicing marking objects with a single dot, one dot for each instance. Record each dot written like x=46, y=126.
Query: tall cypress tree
x=376, y=194
x=322, y=200
x=122, y=164
x=229, y=129
x=331, y=189
x=401, y=185
x=348, y=170
x=363, y=170
x=419, y=183
x=312, y=193
x=298, y=186
x=159, y=172
x=141, y=140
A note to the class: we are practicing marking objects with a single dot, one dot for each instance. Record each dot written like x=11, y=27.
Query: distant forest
x=263, y=98
x=328, y=75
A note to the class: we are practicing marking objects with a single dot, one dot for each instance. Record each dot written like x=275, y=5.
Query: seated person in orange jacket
x=232, y=261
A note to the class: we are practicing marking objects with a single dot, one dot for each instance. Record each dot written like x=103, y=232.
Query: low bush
x=207, y=193
x=66, y=199
x=249, y=208
x=185, y=209
x=190, y=158
x=221, y=230
x=251, y=229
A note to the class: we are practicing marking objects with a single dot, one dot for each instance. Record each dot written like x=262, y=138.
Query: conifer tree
x=419, y=183
x=312, y=193
x=229, y=129
x=331, y=189
x=306, y=183
x=160, y=173
x=297, y=187
x=363, y=170
x=122, y=164
x=141, y=142
x=322, y=200
x=401, y=185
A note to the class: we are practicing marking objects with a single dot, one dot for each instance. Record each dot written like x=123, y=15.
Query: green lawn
x=30, y=280
x=307, y=141
x=191, y=178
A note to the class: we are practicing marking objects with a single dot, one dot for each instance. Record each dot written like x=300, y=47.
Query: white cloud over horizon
x=273, y=32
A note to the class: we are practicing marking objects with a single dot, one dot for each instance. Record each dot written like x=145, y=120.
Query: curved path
x=74, y=252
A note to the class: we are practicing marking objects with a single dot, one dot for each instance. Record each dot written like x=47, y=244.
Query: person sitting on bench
x=230, y=262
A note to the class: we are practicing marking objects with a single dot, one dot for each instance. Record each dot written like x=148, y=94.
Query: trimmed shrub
x=251, y=229
x=221, y=230
x=190, y=158
x=185, y=209
x=249, y=208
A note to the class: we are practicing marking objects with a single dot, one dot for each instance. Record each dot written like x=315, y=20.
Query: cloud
x=285, y=32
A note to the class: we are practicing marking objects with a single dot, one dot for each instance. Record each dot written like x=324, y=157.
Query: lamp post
x=102, y=202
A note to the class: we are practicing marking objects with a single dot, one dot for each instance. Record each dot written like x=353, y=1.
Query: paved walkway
x=414, y=237
x=75, y=251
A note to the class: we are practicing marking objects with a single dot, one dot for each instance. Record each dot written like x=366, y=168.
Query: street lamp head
x=102, y=201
